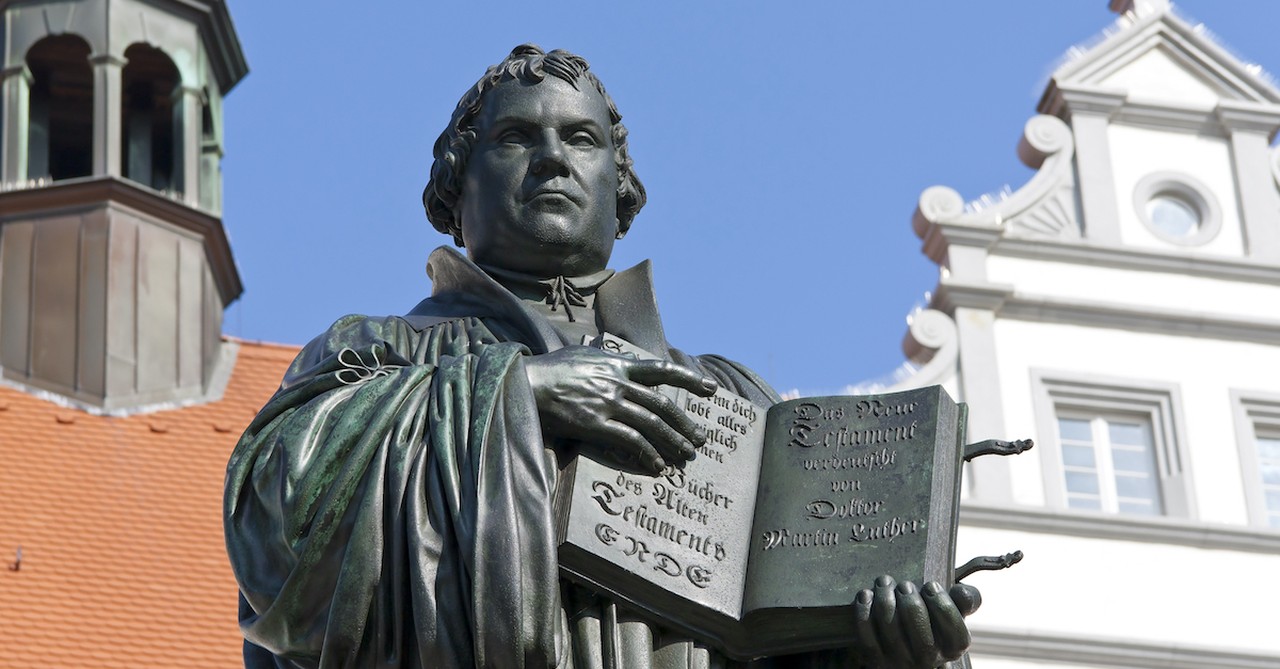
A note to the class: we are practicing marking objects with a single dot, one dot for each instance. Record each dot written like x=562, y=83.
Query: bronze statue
x=391, y=505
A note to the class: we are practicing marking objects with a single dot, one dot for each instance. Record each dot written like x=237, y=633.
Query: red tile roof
x=120, y=524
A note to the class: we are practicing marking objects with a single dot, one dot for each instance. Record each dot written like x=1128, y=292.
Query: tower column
x=15, y=95
x=188, y=104
x=210, y=186
x=107, y=74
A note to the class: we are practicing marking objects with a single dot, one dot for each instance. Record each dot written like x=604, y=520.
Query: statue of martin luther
x=391, y=505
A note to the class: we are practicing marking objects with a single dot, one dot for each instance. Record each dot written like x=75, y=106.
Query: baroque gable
x=1160, y=56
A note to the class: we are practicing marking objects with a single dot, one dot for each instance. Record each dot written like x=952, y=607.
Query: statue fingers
x=950, y=633
x=864, y=632
x=663, y=373
x=663, y=407
x=667, y=441
x=966, y=597
x=630, y=446
x=914, y=618
x=884, y=613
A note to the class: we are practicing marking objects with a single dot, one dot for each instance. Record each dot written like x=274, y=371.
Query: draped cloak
x=391, y=505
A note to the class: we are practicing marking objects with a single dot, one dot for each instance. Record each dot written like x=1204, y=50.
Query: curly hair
x=530, y=64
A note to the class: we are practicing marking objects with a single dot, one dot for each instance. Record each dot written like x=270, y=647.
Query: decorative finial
x=1141, y=7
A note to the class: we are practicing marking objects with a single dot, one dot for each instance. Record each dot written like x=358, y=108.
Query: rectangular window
x=1269, y=473
x=1109, y=464
x=1111, y=445
x=1258, y=441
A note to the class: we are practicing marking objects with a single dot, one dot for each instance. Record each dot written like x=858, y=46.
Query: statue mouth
x=552, y=195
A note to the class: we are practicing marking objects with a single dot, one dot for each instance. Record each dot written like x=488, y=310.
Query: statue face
x=540, y=191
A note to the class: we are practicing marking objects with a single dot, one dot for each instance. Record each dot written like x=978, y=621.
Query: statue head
x=520, y=82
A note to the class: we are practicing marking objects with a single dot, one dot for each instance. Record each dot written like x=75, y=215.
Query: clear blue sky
x=783, y=146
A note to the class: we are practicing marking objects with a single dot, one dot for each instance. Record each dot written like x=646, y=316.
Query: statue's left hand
x=900, y=626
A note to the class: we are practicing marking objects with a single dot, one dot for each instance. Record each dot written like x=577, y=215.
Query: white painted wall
x=1203, y=370
x=1137, y=152
x=1142, y=288
x=1125, y=591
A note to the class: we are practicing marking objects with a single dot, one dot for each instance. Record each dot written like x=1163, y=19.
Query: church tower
x=114, y=265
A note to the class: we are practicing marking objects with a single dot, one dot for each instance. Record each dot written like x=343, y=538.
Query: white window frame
x=1188, y=189
x=1255, y=412
x=1103, y=449
x=1074, y=394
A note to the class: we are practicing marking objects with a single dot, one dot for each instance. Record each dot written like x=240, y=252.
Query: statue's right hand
x=608, y=403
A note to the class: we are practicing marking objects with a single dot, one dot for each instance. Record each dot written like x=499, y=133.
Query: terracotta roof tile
x=119, y=520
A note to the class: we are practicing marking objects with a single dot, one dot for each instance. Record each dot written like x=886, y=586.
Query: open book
x=760, y=543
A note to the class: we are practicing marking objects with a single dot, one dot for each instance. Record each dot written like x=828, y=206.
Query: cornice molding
x=1108, y=652
x=226, y=55
x=1002, y=300
x=1163, y=114
x=137, y=403
x=1067, y=100
x=1248, y=116
x=1156, y=530
x=1061, y=100
x=1185, y=323
x=939, y=237
x=1084, y=253
x=952, y=294
x=80, y=194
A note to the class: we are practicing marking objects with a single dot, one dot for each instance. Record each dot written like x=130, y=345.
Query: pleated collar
x=625, y=303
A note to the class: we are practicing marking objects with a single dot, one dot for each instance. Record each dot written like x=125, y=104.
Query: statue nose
x=551, y=160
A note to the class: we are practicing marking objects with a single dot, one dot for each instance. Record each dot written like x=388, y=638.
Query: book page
x=686, y=531
x=851, y=488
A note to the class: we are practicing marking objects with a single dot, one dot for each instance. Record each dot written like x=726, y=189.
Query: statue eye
x=582, y=139
x=513, y=136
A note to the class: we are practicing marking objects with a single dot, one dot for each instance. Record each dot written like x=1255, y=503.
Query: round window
x=1177, y=208
x=1173, y=215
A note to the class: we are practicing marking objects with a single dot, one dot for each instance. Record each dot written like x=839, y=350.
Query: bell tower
x=114, y=265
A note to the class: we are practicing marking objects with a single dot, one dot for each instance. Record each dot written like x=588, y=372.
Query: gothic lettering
x=698, y=575
x=666, y=564
x=607, y=535
x=605, y=495
x=880, y=409
x=822, y=509
x=846, y=486
x=874, y=460
x=786, y=538
x=642, y=518
x=888, y=531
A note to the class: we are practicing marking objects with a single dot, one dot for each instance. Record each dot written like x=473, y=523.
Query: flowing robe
x=391, y=505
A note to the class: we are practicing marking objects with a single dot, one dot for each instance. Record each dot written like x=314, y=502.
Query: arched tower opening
x=150, y=149
x=60, y=117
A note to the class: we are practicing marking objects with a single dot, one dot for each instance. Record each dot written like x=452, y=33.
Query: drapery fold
x=399, y=516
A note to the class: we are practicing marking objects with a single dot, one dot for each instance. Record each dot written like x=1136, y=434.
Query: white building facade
x=1122, y=308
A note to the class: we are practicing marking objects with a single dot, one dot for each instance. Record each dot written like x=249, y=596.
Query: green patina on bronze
x=391, y=505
